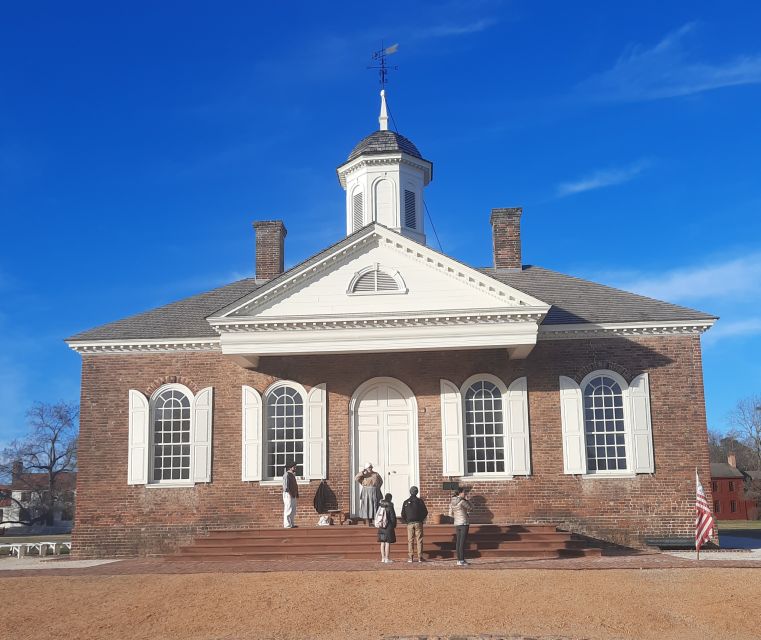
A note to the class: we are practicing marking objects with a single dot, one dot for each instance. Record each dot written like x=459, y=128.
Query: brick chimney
x=270, y=249
x=732, y=460
x=16, y=470
x=506, y=235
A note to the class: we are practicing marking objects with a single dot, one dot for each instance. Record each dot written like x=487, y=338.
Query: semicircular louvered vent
x=377, y=281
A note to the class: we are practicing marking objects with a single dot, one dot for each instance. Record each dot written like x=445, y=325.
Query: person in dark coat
x=386, y=529
x=414, y=513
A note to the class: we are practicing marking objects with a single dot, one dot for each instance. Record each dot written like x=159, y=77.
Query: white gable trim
x=503, y=294
x=623, y=329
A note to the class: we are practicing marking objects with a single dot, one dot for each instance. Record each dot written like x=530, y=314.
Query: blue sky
x=138, y=142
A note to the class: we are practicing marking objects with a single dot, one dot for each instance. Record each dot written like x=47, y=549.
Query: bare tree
x=746, y=422
x=40, y=464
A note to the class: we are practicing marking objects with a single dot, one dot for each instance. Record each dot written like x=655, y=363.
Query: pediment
x=411, y=280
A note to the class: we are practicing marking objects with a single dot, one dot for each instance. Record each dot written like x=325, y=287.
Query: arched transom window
x=604, y=425
x=484, y=429
x=285, y=430
x=171, y=436
x=377, y=279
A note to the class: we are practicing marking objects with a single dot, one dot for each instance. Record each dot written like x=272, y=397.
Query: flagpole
x=697, y=541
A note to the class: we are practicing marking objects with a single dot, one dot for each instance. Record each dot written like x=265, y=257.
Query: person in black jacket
x=414, y=513
x=386, y=524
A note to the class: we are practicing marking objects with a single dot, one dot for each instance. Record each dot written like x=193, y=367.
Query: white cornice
x=623, y=329
x=509, y=315
x=376, y=160
x=388, y=339
x=144, y=346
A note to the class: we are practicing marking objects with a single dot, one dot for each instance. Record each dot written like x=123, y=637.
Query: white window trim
x=273, y=481
x=168, y=484
x=394, y=273
x=495, y=475
x=618, y=473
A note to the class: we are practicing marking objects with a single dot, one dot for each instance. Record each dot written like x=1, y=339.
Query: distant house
x=27, y=495
x=728, y=485
x=5, y=503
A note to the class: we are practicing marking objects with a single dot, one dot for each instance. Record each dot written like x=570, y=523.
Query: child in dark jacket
x=386, y=527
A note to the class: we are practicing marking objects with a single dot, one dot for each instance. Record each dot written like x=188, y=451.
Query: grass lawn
x=65, y=537
x=734, y=525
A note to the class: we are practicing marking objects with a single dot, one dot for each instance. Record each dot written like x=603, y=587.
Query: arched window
x=484, y=429
x=604, y=424
x=284, y=433
x=171, y=435
x=376, y=279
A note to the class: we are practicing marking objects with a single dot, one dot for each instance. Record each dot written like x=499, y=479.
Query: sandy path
x=659, y=604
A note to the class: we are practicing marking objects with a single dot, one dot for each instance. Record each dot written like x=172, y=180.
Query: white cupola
x=384, y=178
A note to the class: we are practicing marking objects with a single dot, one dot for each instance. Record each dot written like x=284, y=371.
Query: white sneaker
x=409, y=560
x=461, y=563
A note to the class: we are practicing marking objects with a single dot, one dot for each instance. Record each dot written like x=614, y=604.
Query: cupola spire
x=383, y=117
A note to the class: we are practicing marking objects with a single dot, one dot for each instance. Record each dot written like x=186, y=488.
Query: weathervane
x=380, y=58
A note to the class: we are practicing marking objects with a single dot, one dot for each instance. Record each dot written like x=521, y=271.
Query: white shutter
x=137, y=456
x=202, y=418
x=642, y=432
x=315, y=461
x=451, y=430
x=252, y=435
x=518, y=428
x=572, y=417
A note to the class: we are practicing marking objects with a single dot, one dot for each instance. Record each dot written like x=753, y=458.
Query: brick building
x=556, y=399
x=728, y=484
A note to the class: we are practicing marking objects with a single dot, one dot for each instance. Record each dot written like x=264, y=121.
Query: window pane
x=483, y=421
x=171, y=426
x=284, y=432
x=604, y=425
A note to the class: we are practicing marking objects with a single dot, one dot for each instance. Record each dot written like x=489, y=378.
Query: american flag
x=703, y=518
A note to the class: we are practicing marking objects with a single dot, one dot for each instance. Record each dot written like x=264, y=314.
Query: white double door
x=385, y=434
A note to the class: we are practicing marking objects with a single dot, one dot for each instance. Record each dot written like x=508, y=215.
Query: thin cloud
x=448, y=30
x=728, y=279
x=733, y=329
x=602, y=178
x=665, y=71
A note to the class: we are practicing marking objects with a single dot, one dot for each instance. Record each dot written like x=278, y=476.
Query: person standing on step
x=370, y=496
x=414, y=513
x=385, y=521
x=460, y=508
x=290, y=495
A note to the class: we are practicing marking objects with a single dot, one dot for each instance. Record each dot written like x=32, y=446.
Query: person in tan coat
x=460, y=508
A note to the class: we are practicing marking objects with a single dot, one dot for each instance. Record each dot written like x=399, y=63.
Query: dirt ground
x=672, y=603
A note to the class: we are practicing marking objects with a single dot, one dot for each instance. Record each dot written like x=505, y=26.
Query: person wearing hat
x=414, y=513
x=370, y=495
x=290, y=494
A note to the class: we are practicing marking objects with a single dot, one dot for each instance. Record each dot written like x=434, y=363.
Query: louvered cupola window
x=357, y=213
x=376, y=279
x=410, y=217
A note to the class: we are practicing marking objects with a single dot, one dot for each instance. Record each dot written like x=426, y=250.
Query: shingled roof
x=573, y=300
x=384, y=142
x=182, y=319
x=724, y=470
x=577, y=301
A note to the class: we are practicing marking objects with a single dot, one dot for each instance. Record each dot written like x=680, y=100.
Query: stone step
x=318, y=548
x=430, y=536
x=399, y=554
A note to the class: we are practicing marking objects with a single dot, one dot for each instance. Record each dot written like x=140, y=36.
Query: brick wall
x=506, y=237
x=116, y=519
x=270, y=248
